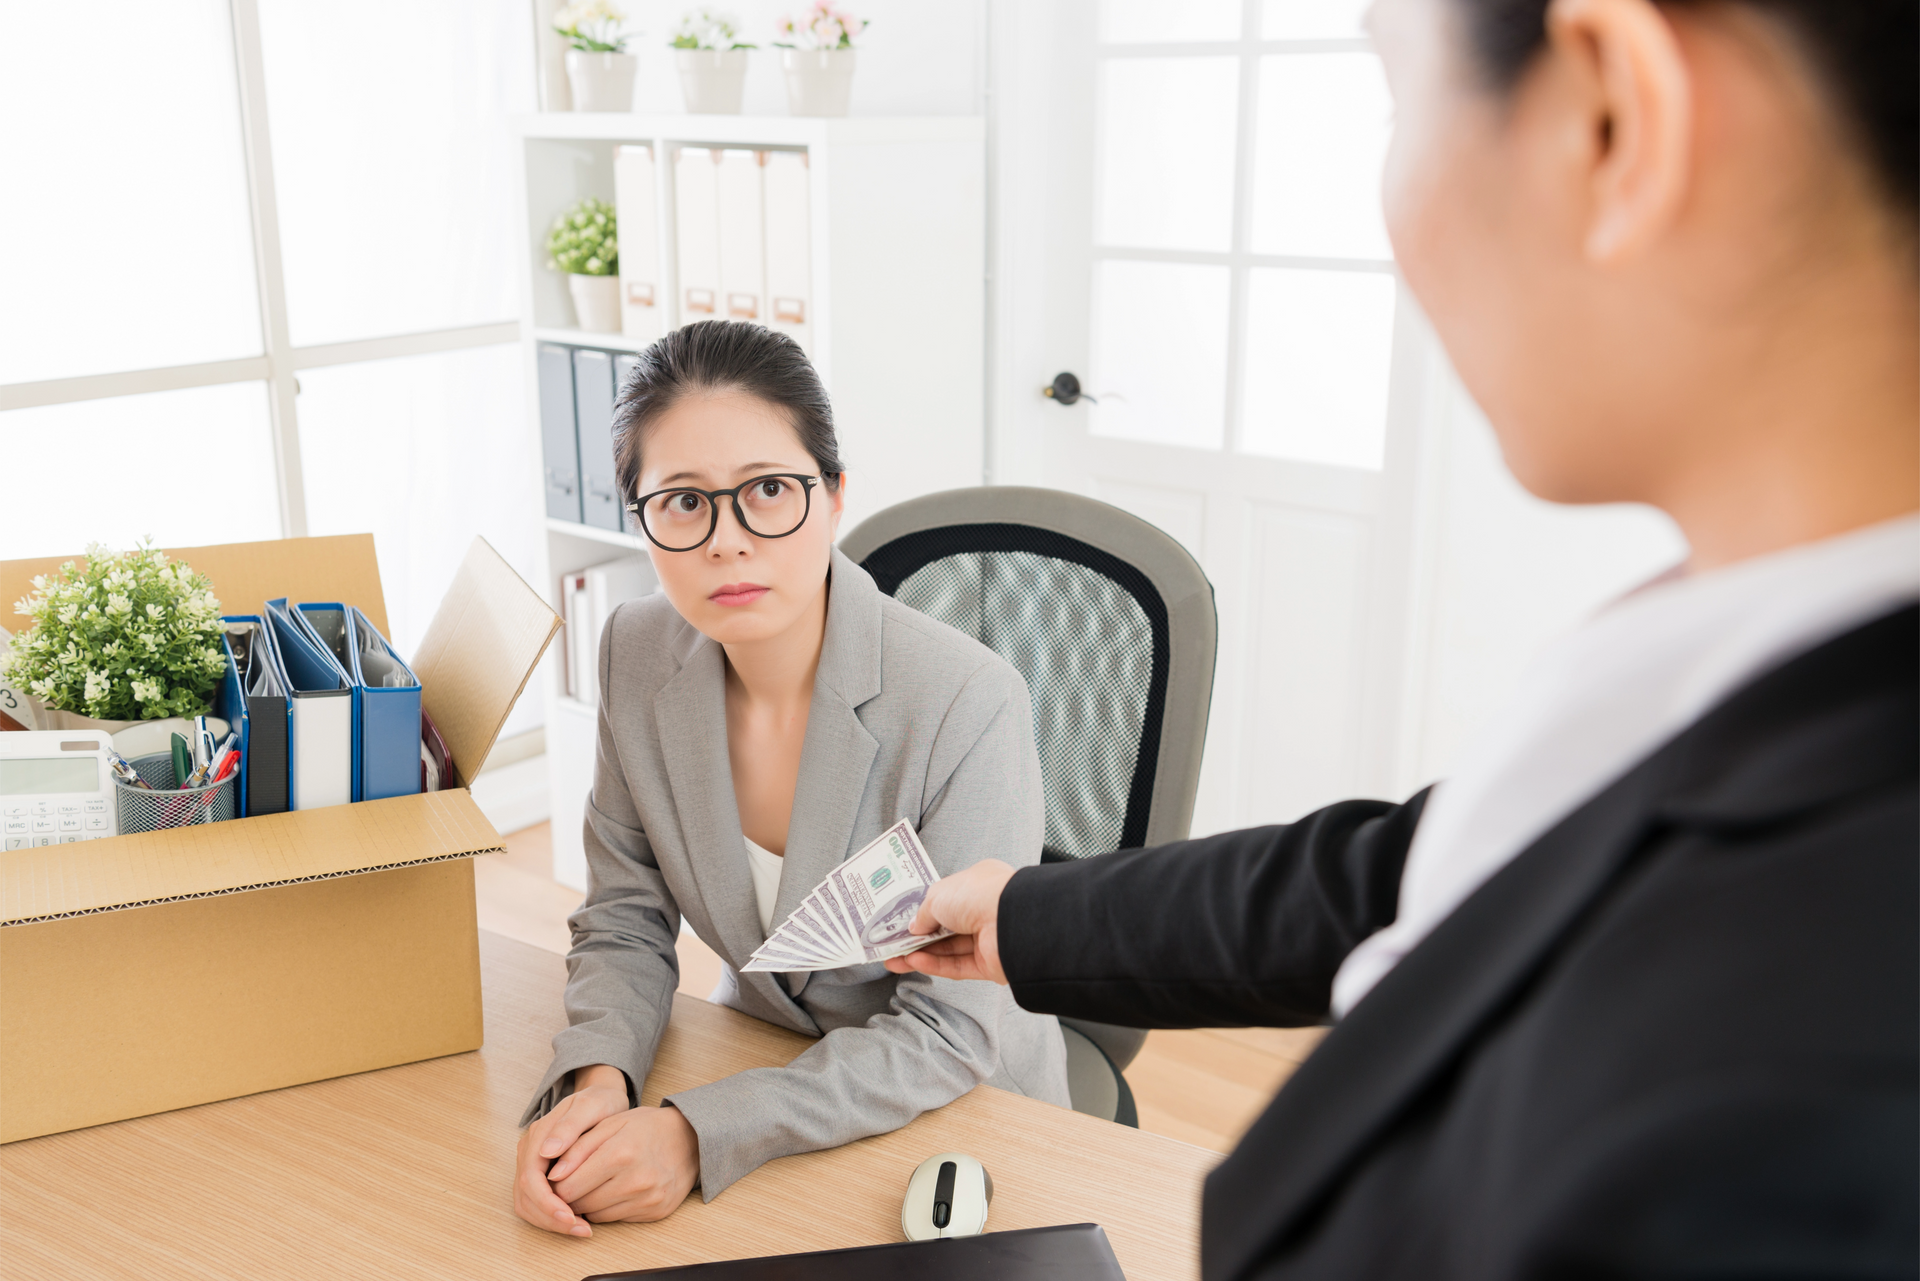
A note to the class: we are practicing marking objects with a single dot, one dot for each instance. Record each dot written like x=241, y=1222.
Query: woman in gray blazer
x=762, y=717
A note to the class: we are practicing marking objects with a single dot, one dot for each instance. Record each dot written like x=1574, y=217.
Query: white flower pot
x=713, y=81
x=819, y=81
x=601, y=81
x=596, y=302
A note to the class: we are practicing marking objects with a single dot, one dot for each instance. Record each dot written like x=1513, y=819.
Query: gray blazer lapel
x=839, y=751
x=690, y=716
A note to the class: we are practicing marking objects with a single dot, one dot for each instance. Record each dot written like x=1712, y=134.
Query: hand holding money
x=962, y=916
x=860, y=914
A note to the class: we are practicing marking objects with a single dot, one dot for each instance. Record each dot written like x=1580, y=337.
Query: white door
x=1188, y=222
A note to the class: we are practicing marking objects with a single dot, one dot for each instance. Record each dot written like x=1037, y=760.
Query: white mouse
x=947, y=1196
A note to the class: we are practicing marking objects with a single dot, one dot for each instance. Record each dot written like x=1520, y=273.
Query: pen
x=125, y=772
x=211, y=772
x=229, y=762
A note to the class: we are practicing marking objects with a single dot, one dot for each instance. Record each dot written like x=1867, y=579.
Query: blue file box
x=389, y=695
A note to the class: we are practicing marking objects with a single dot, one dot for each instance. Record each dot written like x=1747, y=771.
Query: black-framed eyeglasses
x=680, y=520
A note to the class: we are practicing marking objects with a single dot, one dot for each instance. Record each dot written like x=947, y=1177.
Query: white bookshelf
x=897, y=219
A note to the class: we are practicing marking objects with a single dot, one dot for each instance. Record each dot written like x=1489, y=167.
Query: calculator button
x=69, y=807
x=96, y=822
x=20, y=824
x=42, y=823
x=12, y=810
x=96, y=807
x=43, y=807
x=40, y=842
x=18, y=842
x=71, y=840
x=69, y=822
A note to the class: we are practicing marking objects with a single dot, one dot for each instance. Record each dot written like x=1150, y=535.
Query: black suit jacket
x=1676, y=1037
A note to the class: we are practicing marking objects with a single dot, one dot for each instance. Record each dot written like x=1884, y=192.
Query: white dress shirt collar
x=1606, y=696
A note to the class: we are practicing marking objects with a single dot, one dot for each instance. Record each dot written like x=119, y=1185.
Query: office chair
x=1112, y=624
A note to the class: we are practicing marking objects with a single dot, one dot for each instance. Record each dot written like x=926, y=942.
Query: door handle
x=1065, y=390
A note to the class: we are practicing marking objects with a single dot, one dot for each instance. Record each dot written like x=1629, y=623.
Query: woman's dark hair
x=719, y=356
x=1866, y=51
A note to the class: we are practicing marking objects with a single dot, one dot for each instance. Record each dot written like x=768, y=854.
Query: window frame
x=280, y=361
x=1238, y=258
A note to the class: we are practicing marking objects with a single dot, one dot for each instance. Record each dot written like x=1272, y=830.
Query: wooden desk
x=407, y=1172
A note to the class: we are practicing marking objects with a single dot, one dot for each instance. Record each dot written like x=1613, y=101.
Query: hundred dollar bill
x=865, y=906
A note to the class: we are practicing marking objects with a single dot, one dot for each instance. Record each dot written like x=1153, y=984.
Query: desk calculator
x=56, y=788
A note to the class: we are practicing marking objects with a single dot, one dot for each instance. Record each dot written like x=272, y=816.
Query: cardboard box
x=165, y=969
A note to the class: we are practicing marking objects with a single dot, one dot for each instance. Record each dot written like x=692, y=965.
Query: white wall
x=1497, y=574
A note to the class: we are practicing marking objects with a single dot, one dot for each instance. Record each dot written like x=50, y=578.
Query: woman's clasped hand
x=597, y=1159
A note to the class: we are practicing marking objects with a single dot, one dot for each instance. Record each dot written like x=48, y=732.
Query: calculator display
x=32, y=777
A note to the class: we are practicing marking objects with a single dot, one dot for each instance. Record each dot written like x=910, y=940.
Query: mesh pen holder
x=144, y=811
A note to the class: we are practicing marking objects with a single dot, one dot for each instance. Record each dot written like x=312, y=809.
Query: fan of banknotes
x=861, y=913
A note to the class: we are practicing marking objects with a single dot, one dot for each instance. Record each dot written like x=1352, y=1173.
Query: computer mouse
x=947, y=1196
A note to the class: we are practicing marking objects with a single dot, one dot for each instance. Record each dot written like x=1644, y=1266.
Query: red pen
x=227, y=765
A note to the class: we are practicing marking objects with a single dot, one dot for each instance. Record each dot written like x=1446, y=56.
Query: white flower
x=572, y=16
x=155, y=612
x=118, y=604
x=97, y=685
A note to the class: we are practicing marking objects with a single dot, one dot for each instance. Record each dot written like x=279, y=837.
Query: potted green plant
x=818, y=58
x=584, y=242
x=135, y=636
x=600, y=71
x=712, y=63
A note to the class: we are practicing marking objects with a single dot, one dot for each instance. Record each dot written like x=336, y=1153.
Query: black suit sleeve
x=1245, y=928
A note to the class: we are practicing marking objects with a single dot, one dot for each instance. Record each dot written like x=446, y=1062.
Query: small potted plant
x=584, y=242
x=818, y=57
x=133, y=637
x=599, y=68
x=712, y=64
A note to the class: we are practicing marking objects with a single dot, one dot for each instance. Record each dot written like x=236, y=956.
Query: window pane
x=1313, y=19
x=188, y=467
x=1156, y=22
x=1324, y=123
x=126, y=238
x=424, y=452
x=1160, y=353
x=1319, y=345
x=391, y=163
x=1167, y=127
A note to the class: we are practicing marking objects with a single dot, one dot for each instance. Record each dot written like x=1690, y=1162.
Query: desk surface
x=406, y=1172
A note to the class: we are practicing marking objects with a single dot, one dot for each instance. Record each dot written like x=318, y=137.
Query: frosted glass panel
x=188, y=467
x=392, y=162
x=1160, y=353
x=1167, y=130
x=1157, y=22
x=125, y=235
x=1313, y=19
x=1324, y=123
x=1319, y=344
x=424, y=452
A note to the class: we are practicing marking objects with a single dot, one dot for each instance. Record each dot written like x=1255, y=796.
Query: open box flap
x=227, y=858
x=478, y=654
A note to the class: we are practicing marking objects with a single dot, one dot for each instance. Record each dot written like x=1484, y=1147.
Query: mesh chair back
x=1107, y=618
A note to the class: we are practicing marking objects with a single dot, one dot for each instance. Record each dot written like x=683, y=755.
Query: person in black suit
x=1635, y=991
